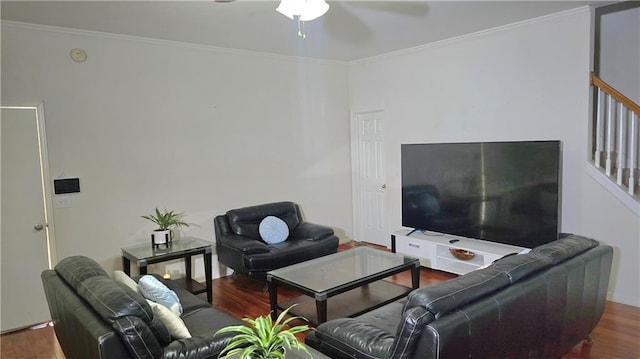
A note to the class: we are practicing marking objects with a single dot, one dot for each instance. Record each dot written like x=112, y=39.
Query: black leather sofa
x=96, y=317
x=239, y=246
x=537, y=305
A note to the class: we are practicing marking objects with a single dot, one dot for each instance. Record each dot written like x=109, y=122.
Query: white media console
x=433, y=250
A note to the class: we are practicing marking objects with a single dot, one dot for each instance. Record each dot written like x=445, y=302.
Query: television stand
x=425, y=232
x=415, y=230
x=433, y=250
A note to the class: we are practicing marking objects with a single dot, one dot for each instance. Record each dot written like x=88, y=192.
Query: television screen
x=506, y=192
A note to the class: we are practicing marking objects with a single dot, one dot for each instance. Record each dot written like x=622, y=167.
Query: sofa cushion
x=273, y=230
x=521, y=266
x=160, y=331
x=312, y=231
x=288, y=253
x=387, y=317
x=113, y=300
x=562, y=249
x=154, y=290
x=357, y=338
x=201, y=346
x=445, y=297
x=138, y=338
x=414, y=321
x=189, y=301
x=76, y=269
x=203, y=323
x=206, y=321
x=246, y=221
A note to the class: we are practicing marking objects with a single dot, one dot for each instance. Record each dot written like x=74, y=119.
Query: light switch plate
x=62, y=202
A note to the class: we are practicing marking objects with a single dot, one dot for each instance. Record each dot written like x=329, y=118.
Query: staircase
x=616, y=144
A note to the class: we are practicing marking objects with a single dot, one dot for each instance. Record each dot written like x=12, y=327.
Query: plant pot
x=161, y=237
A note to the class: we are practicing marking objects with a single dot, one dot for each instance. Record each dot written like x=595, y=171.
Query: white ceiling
x=350, y=30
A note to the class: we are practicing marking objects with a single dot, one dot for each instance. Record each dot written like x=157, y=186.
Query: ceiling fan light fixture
x=313, y=9
x=302, y=10
x=290, y=8
x=307, y=9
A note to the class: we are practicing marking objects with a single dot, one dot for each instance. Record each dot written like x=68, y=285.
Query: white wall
x=147, y=123
x=620, y=51
x=529, y=81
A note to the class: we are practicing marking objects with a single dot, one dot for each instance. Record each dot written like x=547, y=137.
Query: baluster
x=622, y=142
x=600, y=107
x=611, y=113
x=634, y=150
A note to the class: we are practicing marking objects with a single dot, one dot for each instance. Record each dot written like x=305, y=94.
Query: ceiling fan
x=298, y=10
x=302, y=11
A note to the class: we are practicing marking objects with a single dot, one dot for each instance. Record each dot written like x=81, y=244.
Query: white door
x=370, y=194
x=24, y=241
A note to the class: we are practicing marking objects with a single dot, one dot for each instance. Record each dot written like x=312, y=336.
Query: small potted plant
x=165, y=221
x=263, y=338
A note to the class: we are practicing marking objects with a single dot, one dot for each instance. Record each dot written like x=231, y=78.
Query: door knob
x=384, y=186
x=38, y=227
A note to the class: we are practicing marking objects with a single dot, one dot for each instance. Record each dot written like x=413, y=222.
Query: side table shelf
x=433, y=250
x=189, y=284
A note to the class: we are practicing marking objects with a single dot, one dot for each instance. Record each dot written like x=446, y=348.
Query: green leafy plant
x=167, y=219
x=263, y=338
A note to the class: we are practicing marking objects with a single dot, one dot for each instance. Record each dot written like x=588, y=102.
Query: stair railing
x=616, y=143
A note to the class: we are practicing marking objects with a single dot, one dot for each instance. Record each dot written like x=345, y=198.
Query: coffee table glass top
x=328, y=272
x=147, y=251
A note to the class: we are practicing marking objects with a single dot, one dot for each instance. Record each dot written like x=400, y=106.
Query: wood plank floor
x=617, y=335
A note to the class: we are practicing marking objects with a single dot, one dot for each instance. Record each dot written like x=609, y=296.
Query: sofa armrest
x=79, y=330
x=349, y=335
x=307, y=230
x=243, y=244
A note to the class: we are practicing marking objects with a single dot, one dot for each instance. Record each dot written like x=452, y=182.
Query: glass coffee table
x=349, y=283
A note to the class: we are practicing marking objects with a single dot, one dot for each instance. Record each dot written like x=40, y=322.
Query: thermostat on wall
x=66, y=185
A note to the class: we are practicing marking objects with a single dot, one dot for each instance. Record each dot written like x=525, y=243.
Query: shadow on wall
x=342, y=235
x=615, y=271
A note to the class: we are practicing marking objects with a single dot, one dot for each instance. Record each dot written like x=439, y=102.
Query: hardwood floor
x=31, y=344
x=617, y=335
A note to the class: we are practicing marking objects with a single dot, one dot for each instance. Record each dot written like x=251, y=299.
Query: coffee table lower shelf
x=348, y=304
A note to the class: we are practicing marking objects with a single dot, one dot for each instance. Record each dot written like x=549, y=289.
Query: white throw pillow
x=273, y=230
x=122, y=277
x=175, y=325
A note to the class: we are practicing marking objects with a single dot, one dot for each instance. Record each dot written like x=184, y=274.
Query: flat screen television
x=505, y=192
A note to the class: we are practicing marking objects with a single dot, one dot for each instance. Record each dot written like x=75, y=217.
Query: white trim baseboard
x=613, y=188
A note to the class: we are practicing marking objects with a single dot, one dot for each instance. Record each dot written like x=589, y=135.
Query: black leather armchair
x=240, y=247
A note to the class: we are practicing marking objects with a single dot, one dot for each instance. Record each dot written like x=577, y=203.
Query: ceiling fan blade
x=409, y=8
x=342, y=24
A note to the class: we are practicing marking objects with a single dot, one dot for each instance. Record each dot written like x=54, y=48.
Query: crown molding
x=161, y=42
x=473, y=35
